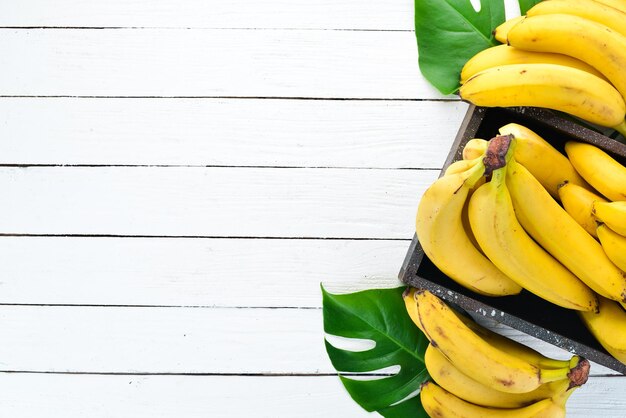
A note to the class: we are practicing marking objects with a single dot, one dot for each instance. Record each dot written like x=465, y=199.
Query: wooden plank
x=293, y=133
x=191, y=272
x=215, y=202
x=162, y=340
x=302, y=14
x=96, y=396
x=172, y=340
x=250, y=63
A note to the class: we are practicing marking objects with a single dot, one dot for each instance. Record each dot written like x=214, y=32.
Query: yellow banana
x=505, y=344
x=503, y=240
x=588, y=9
x=556, y=231
x=505, y=55
x=549, y=86
x=613, y=214
x=474, y=148
x=609, y=327
x=578, y=202
x=440, y=403
x=599, y=169
x=439, y=228
x=544, y=161
x=510, y=346
x=589, y=41
x=501, y=32
x=614, y=245
x=450, y=378
x=616, y=4
x=411, y=306
x=460, y=166
x=475, y=357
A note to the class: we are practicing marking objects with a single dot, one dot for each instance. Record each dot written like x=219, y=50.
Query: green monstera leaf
x=379, y=316
x=450, y=32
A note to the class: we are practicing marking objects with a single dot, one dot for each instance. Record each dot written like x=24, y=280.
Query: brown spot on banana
x=506, y=383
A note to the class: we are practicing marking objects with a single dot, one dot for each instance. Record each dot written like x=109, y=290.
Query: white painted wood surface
x=212, y=202
x=167, y=220
x=228, y=132
x=245, y=14
x=208, y=272
x=137, y=396
x=212, y=62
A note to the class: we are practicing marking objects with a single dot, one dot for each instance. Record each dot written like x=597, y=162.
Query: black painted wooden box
x=524, y=312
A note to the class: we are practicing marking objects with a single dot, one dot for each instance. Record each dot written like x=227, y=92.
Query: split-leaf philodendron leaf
x=450, y=32
x=380, y=316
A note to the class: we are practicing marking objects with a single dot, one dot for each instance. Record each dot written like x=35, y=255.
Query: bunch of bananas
x=510, y=233
x=566, y=55
x=478, y=373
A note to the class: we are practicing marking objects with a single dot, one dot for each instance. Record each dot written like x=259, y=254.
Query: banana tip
x=495, y=156
x=579, y=374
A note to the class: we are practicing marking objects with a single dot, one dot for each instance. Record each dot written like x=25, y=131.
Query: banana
x=501, y=32
x=550, y=86
x=438, y=402
x=557, y=232
x=512, y=347
x=505, y=55
x=460, y=166
x=588, y=9
x=609, y=327
x=474, y=148
x=578, y=202
x=589, y=41
x=439, y=228
x=599, y=169
x=475, y=357
x=613, y=214
x=616, y=4
x=614, y=245
x=505, y=243
x=411, y=306
x=446, y=375
x=544, y=161
x=508, y=345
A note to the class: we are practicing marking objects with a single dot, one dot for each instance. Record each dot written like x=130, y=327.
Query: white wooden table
x=178, y=177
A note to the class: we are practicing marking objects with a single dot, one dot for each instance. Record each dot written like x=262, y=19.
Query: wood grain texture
x=249, y=63
x=286, y=133
x=77, y=396
x=216, y=202
x=302, y=14
x=162, y=340
x=191, y=272
x=259, y=14
x=172, y=340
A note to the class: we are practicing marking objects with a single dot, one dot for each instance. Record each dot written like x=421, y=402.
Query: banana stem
x=550, y=375
x=498, y=152
x=475, y=173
